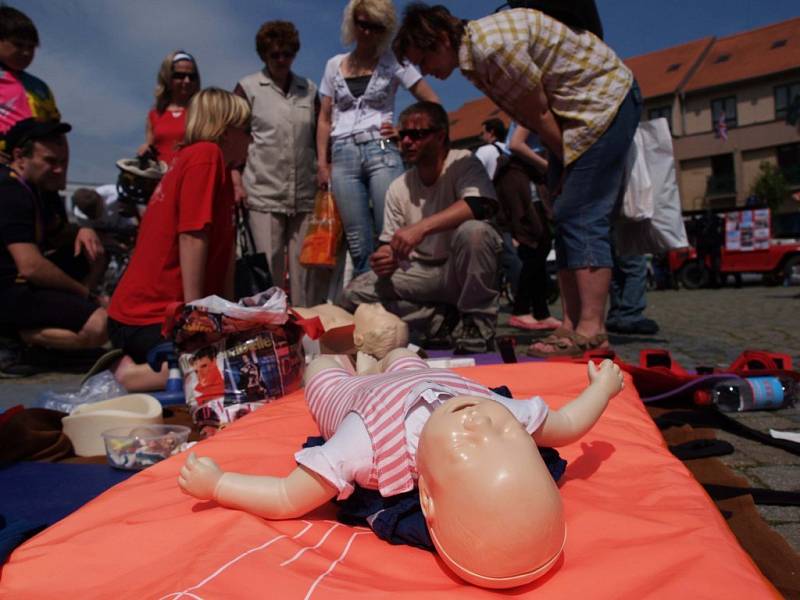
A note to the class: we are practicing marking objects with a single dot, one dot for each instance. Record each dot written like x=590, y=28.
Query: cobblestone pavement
x=699, y=328
x=711, y=328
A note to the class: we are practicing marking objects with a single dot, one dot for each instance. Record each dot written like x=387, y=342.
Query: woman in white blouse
x=357, y=111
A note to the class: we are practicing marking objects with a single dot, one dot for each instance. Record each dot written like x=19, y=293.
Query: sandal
x=567, y=344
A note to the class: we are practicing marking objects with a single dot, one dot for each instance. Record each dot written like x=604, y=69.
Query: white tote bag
x=664, y=230
x=637, y=202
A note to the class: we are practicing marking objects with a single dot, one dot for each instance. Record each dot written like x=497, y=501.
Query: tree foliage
x=770, y=186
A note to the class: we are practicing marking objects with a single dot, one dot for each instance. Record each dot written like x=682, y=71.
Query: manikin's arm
x=270, y=497
x=572, y=421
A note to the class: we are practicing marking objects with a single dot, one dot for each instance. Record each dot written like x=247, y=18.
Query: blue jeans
x=584, y=209
x=628, y=287
x=360, y=176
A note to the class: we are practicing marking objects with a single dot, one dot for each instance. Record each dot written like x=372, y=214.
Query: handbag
x=251, y=274
x=321, y=244
x=665, y=229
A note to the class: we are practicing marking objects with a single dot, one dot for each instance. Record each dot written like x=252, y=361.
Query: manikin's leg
x=93, y=334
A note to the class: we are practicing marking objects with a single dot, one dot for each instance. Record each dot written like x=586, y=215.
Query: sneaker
x=471, y=339
x=440, y=328
x=640, y=327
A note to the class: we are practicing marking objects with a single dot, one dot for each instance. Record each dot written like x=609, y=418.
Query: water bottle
x=754, y=393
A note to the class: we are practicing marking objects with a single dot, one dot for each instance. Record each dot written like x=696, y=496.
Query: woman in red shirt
x=178, y=80
x=185, y=247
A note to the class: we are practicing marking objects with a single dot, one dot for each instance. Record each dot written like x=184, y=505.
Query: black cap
x=31, y=129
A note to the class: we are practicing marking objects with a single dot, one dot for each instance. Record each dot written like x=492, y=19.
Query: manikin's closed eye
x=463, y=406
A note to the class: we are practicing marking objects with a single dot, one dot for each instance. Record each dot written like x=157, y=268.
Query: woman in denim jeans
x=583, y=102
x=356, y=114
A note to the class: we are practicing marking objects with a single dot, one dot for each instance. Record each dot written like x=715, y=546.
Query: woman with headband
x=178, y=80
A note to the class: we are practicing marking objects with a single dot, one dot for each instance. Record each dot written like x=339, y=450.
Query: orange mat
x=638, y=523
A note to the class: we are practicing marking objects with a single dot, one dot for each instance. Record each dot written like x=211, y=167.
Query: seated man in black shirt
x=43, y=285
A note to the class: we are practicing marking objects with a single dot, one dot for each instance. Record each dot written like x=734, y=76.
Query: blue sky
x=100, y=57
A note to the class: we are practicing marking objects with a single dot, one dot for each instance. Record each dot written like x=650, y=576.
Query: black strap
x=712, y=417
x=760, y=495
x=247, y=242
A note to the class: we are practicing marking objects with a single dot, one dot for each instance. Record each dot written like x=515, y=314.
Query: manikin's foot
x=532, y=324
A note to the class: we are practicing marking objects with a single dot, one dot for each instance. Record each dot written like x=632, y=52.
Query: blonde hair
x=163, y=91
x=211, y=112
x=379, y=11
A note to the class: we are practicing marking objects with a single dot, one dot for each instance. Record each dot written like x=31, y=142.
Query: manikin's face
x=371, y=316
x=493, y=510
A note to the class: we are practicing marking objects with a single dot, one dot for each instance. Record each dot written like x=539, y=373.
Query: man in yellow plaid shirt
x=572, y=89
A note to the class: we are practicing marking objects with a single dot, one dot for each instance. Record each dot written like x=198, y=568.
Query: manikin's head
x=377, y=331
x=492, y=508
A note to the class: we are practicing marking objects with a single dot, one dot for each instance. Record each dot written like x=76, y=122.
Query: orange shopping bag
x=324, y=235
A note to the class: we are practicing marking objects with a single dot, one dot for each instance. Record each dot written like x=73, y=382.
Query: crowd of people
x=428, y=227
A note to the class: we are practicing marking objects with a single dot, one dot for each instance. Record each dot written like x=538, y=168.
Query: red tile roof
x=750, y=54
x=663, y=71
x=466, y=121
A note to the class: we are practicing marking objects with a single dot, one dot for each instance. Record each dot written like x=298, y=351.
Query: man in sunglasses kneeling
x=437, y=263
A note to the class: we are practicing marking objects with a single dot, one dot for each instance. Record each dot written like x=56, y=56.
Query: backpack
x=578, y=14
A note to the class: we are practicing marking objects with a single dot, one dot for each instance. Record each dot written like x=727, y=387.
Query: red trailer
x=749, y=247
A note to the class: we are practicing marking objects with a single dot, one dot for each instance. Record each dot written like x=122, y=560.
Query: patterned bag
x=236, y=357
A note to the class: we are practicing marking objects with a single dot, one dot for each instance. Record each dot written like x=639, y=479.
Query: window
x=777, y=44
x=789, y=163
x=723, y=178
x=784, y=96
x=661, y=112
x=673, y=67
x=722, y=58
x=723, y=107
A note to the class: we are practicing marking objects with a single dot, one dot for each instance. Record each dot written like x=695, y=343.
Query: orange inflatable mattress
x=639, y=526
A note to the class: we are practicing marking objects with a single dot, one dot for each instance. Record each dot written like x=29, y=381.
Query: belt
x=364, y=137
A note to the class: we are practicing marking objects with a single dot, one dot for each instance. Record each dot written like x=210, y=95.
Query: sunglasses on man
x=416, y=134
x=181, y=76
x=365, y=25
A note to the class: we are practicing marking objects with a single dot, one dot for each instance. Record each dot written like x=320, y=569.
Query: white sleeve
x=346, y=457
x=484, y=154
x=326, y=85
x=473, y=180
x=531, y=412
x=407, y=74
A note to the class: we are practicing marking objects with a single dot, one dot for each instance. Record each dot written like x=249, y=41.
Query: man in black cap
x=46, y=267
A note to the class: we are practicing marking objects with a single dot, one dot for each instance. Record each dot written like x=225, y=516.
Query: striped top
x=382, y=401
x=509, y=54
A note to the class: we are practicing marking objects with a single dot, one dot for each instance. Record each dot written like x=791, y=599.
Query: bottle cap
x=702, y=397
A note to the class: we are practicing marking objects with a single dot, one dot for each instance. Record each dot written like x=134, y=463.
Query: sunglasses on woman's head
x=369, y=26
x=416, y=134
x=181, y=76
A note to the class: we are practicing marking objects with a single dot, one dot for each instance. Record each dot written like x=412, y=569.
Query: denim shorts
x=584, y=209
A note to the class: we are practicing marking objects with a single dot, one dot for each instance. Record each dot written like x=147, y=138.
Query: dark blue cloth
x=398, y=519
x=36, y=495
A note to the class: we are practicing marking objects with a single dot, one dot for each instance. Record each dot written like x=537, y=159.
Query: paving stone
x=779, y=514
x=778, y=477
x=791, y=533
x=755, y=453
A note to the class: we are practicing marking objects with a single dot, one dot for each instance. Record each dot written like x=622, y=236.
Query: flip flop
x=103, y=363
x=567, y=343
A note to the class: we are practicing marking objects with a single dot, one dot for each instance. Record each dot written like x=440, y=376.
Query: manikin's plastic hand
x=199, y=477
x=608, y=377
x=572, y=421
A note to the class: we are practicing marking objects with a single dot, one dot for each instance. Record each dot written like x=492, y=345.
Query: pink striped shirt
x=382, y=401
